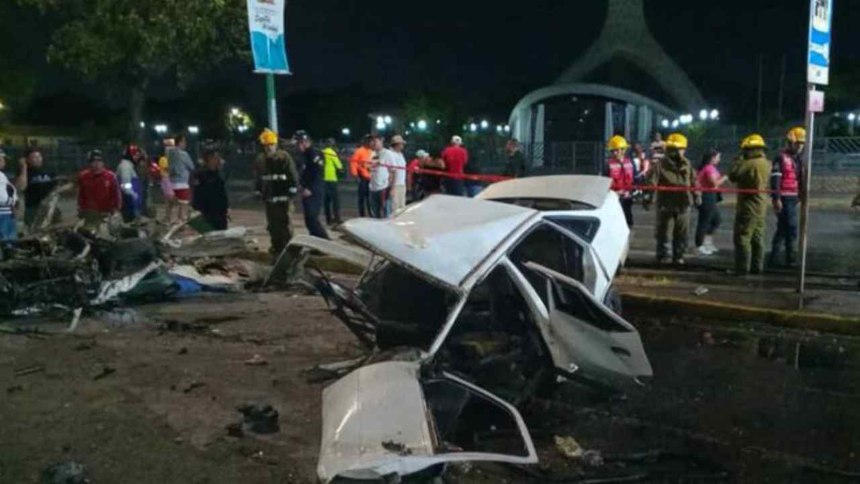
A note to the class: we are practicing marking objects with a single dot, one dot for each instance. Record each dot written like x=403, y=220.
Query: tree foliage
x=130, y=42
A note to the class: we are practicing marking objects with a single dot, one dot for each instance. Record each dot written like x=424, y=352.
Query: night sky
x=491, y=53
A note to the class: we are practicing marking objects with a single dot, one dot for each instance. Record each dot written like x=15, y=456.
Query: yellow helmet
x=677, y=141
x=796, y=135
x=617, y=143
x=268, y=137
x=753, y=141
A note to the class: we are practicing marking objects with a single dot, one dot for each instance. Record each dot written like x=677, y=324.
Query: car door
x=596, y=343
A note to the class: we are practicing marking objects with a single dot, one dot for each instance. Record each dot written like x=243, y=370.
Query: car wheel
x=612, y=300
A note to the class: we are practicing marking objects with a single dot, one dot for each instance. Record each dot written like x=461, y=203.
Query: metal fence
x=834, y=156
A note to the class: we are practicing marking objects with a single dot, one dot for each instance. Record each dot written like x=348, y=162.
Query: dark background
x=350, y=57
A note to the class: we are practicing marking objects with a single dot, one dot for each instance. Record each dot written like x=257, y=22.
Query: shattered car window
x=577, y=305
x=583, y=227
x=411, y=310
x=550, y=248
x=546, y=204
x=495, y=339
x=465, y=421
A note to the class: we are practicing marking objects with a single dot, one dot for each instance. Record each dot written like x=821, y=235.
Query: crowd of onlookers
x=667, y=177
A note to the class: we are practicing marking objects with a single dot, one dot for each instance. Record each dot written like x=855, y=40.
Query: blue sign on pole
x=818, y=57
x=268, y=44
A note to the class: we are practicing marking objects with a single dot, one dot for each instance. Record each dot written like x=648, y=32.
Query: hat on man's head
x=456, y=140
x=397, y=140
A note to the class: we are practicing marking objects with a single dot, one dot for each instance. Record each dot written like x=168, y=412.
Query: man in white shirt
x=381, y=179
x=396, y=162
x=8, y=198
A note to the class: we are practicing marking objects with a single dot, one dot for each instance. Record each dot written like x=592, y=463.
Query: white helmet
x=456, y=140
x=421, y=154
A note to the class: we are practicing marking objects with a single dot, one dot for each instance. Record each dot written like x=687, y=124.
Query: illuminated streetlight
x=438, y=121
x=193, y=129
x=665, y=123
x=498, y=128
x=380, y=126
x=380, y=120
x=142, y=125
x=675, y=123
x=507, y=129
x=485, y=124
x=715, y=114
x=387, y=120
x=422, y=125
x=234, y=111
x=160, y=128
x=345, y=131
x=852, y=117
x=473, y=127
x=703, y=115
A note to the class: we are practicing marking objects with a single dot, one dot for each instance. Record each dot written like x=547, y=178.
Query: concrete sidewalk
x=830, y=304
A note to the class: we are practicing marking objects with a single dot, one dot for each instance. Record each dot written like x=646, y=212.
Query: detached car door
x=597, y=343
x=387, y=421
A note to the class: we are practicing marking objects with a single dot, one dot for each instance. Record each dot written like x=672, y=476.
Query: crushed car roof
x=588, y=189
x=443, y=237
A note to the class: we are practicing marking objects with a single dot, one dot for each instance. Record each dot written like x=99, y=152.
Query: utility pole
x=272, y=102
x=804, y=192
x=817, y=73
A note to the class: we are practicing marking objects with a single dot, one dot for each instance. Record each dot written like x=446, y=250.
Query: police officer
x=313, y=183
x=278, y=182
x=673, y=206
x=750, y=171
x=622, y=171
x=786, y=178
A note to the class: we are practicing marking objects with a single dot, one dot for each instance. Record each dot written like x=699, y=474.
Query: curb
x=730, y=313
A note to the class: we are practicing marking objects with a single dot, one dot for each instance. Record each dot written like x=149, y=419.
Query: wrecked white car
x=496, y=292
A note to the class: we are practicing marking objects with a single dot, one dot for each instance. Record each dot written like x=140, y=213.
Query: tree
x=129, y=43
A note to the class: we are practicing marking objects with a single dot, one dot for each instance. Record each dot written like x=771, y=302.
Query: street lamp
x=675, y=123
x=485, y=124
x=703, y=115
x=714, y=114
x=507, y=128
x=345, y=131
x=234, y=111
x=160, y=128
x=422, y=125
x=142, y=125
x=473, y=127
x=852, y=117
x=665, y=123
x=194, y=130
x=387, y=120
x=380, y=126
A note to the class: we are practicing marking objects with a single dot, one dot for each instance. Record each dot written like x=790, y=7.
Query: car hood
x=443, y=238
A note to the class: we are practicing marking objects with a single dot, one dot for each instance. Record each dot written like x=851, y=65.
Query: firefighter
x=673, y=206
x=750, y=171
x=278, y=182
x=622, y=171
x=786, y=178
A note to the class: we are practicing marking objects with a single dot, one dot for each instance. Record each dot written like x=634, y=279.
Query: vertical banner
x=268, y=42
x=818, y=58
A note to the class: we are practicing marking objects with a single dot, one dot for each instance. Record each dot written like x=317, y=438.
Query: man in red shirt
x=456, y=158
x=98, y=193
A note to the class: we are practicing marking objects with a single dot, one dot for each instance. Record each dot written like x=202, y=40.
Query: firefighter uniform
x=786, y=178
x=750, y=171
x=622, y=171
x=673, y=207
x=278, y=181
